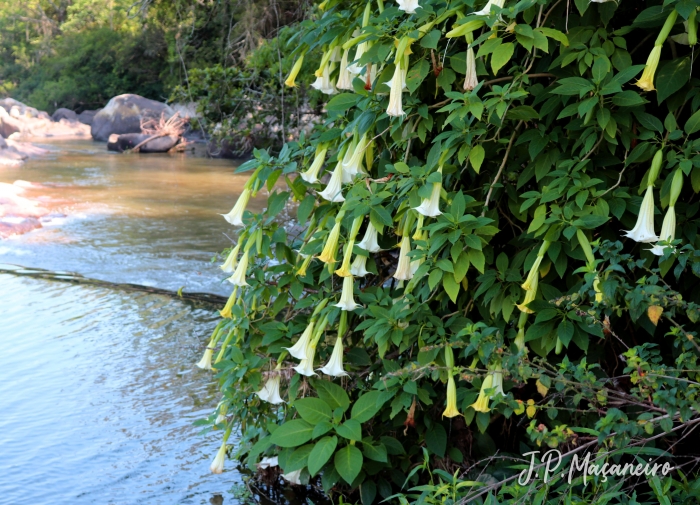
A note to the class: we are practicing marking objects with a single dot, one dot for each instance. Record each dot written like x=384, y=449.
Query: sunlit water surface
x=98, y=391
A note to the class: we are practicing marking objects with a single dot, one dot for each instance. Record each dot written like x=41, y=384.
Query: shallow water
x=98, y=389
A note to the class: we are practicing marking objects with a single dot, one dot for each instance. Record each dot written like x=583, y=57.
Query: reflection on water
x=98, y=395
x=146, y=219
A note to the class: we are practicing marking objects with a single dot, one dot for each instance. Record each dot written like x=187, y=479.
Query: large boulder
x=17, y=109
x=64, y=113
x=8, y=124
x=87, y=116
x=126, y=141
x=123, y=114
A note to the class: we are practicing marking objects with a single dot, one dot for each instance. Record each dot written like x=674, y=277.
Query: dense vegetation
x=462, y=277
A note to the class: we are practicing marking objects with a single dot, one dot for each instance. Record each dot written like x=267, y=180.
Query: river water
x=98, y=389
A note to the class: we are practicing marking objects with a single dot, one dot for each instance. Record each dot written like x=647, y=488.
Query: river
x=98, y=389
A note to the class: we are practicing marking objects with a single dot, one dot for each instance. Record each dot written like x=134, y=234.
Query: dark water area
x=98, y=388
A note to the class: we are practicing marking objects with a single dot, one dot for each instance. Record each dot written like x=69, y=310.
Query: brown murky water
x=98, y=391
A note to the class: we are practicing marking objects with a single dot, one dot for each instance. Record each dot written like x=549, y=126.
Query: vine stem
x=500, y=169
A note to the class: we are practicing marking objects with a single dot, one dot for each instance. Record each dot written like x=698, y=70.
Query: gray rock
x=87, y=116
x=127, y=141
x=64, y=113
x=123, y=114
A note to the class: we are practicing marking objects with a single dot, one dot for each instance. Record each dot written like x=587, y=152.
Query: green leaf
x=321, y=429
x=501, y=55
x=436, y=440
x=476, y=157
x=590, y=221
x=375, y=452
x=342, y=102
x=554, y=34
x=628, y=98
x=313, y=410
x=367, y=406
x=350, y=429
x=693, y=124
x=321, y=453
x=430, y=40
x=565, y=332
x=671, y=77
x=348, y=462
x=292, y=433
x=416, y=74
x=451, y=286
x=332, y=394
x=298, y=459
x=368, y=492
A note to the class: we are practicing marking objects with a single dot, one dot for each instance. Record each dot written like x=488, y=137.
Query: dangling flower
x=238, y=277
x=306, y=366
x=293, y=477
x=356, y=68
x=334, y=367
x=643, y=231
x=353, y=164
x=430, y=207
x=344, y=270
x=329, y=250
x=221, y=416
x=646, y=82
x=271, y=391
x=299, y=350
x=532, y=275
x=482, y=402
x=311, y=175
x=471, y=80
x=497, y=381
x=487, y=8
x=451, y=409
x=668, y=227
x=205, y=362
x=347, y=302
x=408, y=6
x=395, y=107
x=369, y=241
x=230, y=264
x=334, y=189
x=529, y=295
x=305, y=264
x=235, y=217
x=226, y=311
x=217, y=466
x=402, y=73
x=344, y=75
x=323, y=82
x=291, y=79
x=358, y=267
x=403, y=270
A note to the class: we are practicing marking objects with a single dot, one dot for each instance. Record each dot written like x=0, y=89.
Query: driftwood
x=174, y=126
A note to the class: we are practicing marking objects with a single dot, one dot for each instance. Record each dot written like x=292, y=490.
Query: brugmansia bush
x=459, y=289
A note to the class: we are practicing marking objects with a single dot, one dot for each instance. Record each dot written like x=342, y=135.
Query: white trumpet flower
x=395, y=107
x=487, y=8
x=217, y=466
x=408, y=6
x=293, y=477
x=430, y=207
x=356, y=68
x=347, y=302
x=205, y=362
x=323, y=82
x=644, y=229
x=402, y=74
x=403, y=270
x=668, y=231
x=352, y=163
x=271, y=391
x=471, y=80
x=235, y=217
x=334, y=367
x=334, y=189
x=238, y=277
x=369, y=241
x=306, y=366
x=497, y=374
x=344, y=75
x=358, y=266
x=229, y=265
x=299, y=350
x=311, y=175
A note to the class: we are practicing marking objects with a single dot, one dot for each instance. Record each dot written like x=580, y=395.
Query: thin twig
x=500, y=170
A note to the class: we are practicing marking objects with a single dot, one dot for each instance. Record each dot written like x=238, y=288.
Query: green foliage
x=519, y=305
